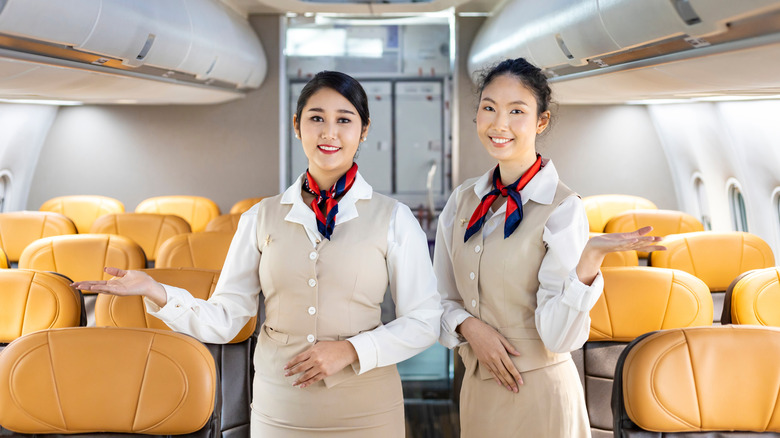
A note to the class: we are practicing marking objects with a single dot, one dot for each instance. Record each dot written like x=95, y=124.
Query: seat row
x=98, y=370
x=197, y=211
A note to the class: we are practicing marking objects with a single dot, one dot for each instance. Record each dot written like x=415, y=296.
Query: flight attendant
x=517, y=273
x=323, y=253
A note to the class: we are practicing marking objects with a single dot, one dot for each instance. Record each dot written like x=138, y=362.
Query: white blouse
x=563, y=302
x=235, y=299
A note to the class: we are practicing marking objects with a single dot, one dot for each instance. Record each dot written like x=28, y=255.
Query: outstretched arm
x=127, y=283
x=599, y=246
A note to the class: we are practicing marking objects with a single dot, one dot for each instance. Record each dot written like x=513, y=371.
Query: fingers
x=116, y=272
x=642, y=231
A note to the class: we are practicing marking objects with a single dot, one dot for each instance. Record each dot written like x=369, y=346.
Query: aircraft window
x=702, y=204
x=5, y=189
x=737, y=204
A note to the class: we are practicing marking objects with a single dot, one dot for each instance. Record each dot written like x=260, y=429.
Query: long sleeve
x=563, y=302
x=235, y=299
x=413, y=288
x=454, y=312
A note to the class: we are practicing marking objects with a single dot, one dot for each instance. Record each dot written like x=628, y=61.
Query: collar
x=541, y=189
x=301, y=213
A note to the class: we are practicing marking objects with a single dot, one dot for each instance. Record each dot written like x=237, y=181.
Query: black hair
x=530, y=75
x=343, y=84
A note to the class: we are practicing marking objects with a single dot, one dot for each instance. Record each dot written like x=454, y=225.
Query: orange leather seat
x=19, y=229
x=715, y=257
x=147, y=229
x=196, y=210
x=636, y=300
x=83, y=209
x=32, y=300
x=101, y=379
x=4, y=263
x=754, y=298
x=621, y=258
x=664, y=223
x=688, y=381
x=601, y=208
x=226, y=223
x=206, y=250
x=244, y=204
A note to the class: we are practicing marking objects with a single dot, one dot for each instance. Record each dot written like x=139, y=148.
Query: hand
x=323, y=359
x=492, y=350
x=126, y=283
x=599, y=246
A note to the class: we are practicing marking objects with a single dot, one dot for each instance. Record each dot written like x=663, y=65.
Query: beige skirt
x=549, y=404
x=368, y=405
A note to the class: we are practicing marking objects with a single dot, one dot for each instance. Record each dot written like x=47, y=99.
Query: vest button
x=472, y=275
x=310, y=338
x=312, y=310
x=312, y=255
x=477, y=248
x=473, y=303
x=312, y=282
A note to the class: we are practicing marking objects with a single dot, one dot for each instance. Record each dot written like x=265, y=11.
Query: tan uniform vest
x=498, y=278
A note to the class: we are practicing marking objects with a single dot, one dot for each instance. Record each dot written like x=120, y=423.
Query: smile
x=500, y=140
x=328, y=148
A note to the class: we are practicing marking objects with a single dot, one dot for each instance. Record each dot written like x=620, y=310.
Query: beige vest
x=498, y=278
x=329, y=292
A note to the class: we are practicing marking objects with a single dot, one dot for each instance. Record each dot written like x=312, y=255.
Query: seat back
x=620, y=258
x=83, y=209
x=715, y=257
x=245, y=204
x=688, y=381
x=147, y=229
x=635, y=301
x=226, y=223
x=601, y=208
x=34, y=300
x=234, y=359
x=196, y=210
x=110, y=380
x=664, y=223
x=4, y=263
x=206, y=250
x=754, y=298
x=20, y=228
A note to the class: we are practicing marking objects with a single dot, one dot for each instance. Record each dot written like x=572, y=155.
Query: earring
x=297, y=136
x=364, y=139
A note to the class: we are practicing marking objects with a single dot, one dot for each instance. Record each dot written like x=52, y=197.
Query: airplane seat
x=83, y=209
x=715, y=257
x=601, y=208
x=234, y=359
x=82, y=257
x=681, y=383
x=20, y=228
x=244, y=204
x=753, y=298
x=664, y=223
x=108, y=382
x=196, y=210
x=204, y=250
x=226, y=223
x=35, y=300
x=620, y=258
x=149, y=230
x=4, y=263
x=636, y=300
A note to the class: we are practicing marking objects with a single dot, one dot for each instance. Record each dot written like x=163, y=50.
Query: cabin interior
x=674, y=101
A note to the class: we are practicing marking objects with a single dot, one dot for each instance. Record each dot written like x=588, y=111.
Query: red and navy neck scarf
x=325, y=205
x=514, y=204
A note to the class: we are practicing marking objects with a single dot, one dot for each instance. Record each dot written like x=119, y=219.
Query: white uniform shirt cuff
x=175, y=306
x=366, y=351
x=449, y=337
x=580, y=296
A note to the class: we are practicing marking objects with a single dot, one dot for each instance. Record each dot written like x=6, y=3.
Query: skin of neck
x=512, y=170
x=326, y=179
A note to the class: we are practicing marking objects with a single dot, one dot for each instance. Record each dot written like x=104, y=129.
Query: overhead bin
x=198, y=41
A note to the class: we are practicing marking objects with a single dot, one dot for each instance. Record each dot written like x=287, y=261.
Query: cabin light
x=127, y=101
x=43, y=102
x=736, y=98
x=656, y=101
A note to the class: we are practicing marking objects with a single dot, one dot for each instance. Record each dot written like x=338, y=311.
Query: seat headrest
x=83, y=256
x=721, y=378
x=204, y=250
x=20, y=228
x=715, y=257
x=115, y=311
x=101, y=379
x=664, y=222
x=244, y=205
x=227, y=223
x=4, y=263
x=32, y=301
x=83, y=209
x=196, y=210
x=147, y=229
x=639, y=300
x=754, y=299
x=601, y=208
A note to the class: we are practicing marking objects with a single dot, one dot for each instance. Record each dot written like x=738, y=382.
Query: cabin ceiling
x=359, y=7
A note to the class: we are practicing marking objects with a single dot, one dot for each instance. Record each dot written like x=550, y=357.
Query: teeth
x=329, y=148
x=500, y=140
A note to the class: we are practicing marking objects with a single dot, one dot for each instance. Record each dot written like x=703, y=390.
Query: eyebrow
x=320, y=110
x=518, y=102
